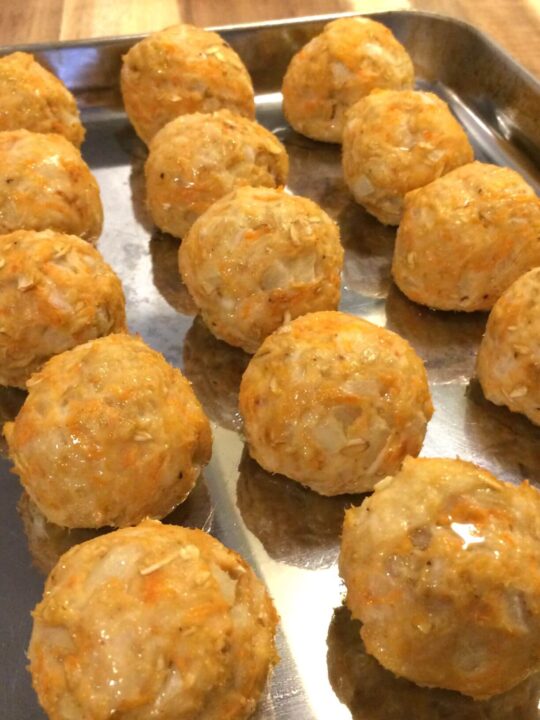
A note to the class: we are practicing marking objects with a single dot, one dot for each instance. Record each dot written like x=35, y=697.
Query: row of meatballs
x=299, y=398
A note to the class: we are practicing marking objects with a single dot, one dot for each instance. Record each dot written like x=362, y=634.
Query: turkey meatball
x=257, y=257
x=34, y=99
x=349, y=59
x=197, y=159
x=110, y=433
x=179, y=70
x=508, y=363
x=466, y=237
x=334, y=402
x=395, y=141
x=153, y=621
x=442, y=566
x=56, y=291
x=45, y=184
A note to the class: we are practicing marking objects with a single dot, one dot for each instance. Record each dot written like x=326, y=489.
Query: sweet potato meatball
x=442, y=566
x=508, y=363
x=179, y=70
x=259, y=256
x=110, y=433
x=34, y=99
x=349, y=59
x=396, y=141
x=56, y=291
x=153, y=621
x=45, y=184
x=466, y=237
x=334, y=402
x=197, y=159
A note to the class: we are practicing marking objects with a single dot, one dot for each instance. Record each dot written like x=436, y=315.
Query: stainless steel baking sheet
x=290, y=535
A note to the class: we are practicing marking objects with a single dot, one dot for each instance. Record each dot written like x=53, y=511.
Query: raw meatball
x=56, y=291
x=45, y=184
x=466, y=237
x=334, y=402
x=258, y=257
x=182, y=69
x=442, y=565
x=33, y=98
x=396, y=141
x=197, y=159
x=110, y=433
x=349, y=59
x=509, y=356
x=154, y=621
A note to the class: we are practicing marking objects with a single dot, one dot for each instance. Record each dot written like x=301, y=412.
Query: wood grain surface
x=514, y=24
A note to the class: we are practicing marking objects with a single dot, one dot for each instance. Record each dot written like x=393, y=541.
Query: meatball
x=349, y=59
x=56, y=291
x=257, y=257
x=34, y=99
x=197, y=159
x=179, y=70
x=442, y=566
x=110, y=433
x=152, y=621
x=45, y=184
x=508, y=363
x=466, y=237
x=396, y=141
x=334, y=402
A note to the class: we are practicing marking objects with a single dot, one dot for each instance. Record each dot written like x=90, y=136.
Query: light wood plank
x=514, y=24
x=98, y=18
x=30, y=21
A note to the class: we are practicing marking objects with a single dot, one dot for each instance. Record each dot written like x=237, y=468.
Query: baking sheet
x=290, y=535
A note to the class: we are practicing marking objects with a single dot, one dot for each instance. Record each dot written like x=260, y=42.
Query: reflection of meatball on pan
x=11, y=400
x=466, y=237
x=110, y=433
x=47, y=541
x=257, y=257
x=442, y=565
x=447, y=342
x=397, y=141
x=34, y=99
x=334, y=402
x=349, y=59
x=164, y=255
x=509, y=357
x=56, y=291
x=215, y=369
x=373, y=693
x=45, y=184
x=197, y=159
x=296, y=525
x=179, y=70
x=152, y=621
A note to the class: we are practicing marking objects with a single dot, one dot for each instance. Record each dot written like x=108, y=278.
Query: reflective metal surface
x=290, y=535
